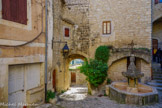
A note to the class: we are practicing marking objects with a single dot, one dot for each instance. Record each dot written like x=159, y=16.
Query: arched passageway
x=76, y=81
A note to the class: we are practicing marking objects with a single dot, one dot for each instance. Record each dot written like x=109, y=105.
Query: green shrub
x=96, y=72
x=102, y=53
x=109, y=81
x=50, y=95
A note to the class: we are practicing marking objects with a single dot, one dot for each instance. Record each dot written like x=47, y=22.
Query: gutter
x=46, y=47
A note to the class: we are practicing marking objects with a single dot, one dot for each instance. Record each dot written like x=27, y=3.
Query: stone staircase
x=157, y=77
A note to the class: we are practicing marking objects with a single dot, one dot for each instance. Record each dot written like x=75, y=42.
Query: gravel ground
x=97, y=102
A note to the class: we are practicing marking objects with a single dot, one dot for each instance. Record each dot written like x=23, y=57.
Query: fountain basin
x=142, y=94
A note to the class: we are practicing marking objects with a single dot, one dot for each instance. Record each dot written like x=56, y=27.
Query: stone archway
x=67, y=62
x=115, y=56
x=118, y=64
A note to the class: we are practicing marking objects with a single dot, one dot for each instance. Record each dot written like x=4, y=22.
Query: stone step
x=159, y=88
x=157, y=75
x=155, y=84
x=157, y=72
x=157, y=78
x=157, y=81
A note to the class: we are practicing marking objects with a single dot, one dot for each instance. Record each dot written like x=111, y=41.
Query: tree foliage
x=102, y=54
x=96, y=71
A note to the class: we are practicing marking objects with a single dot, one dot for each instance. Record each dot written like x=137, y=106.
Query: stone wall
x=116, y=69
x=146, y=69
x=73, y=16
x=130, y=20
x=157, y=8
x=80, y=78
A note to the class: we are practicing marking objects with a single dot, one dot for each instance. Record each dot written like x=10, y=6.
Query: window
x=67, y=32
x=15, y=10
x=106, y=27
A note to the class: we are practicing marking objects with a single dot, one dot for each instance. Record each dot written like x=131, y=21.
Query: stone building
x=22, y=51
x=87, y=24
x=83, y=26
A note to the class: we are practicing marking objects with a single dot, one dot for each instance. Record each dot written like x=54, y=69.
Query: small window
x=106, y=27
x=15, y=10
x=67, y=32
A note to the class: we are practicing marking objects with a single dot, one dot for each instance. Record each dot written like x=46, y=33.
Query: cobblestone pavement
x=98, y=102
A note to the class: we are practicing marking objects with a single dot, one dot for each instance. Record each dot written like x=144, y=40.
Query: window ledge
x=106, y=35
x=14, y=24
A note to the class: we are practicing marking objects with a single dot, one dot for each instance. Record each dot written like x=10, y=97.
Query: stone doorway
x=77, y=78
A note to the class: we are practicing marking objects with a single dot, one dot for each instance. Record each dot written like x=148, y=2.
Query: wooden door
x=54, y=79
x=73, y=77
x=155, y=43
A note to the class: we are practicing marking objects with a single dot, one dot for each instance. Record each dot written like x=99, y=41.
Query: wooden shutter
x=22, y=11
x=6, y=9
x=66, y=32
x=15, y=10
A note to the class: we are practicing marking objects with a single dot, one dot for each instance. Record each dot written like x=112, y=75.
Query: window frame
x=15, y=24
x=107, y=33
x=16, y=11
x=64, y=32
x=66, y=28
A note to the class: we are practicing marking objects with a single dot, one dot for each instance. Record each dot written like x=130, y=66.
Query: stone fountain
x=133, y=92
x=133, y=75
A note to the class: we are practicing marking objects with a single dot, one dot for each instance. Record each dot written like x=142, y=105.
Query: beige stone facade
x=21, y=64
x=130, y=20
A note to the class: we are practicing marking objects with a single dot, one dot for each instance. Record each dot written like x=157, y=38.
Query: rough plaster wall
x=58, y=62
x=116, y=69
x=157, y=32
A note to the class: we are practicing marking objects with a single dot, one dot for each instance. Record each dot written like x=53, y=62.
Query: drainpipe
x=46, y=48
x=152, y=3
